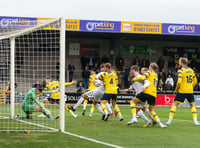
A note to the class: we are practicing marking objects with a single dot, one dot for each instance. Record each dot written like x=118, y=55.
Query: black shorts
x=146, y=97
x=109, y=97
x=180, y=98
x=52, y=101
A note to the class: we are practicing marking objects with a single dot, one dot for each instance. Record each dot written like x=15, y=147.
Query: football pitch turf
x=182, y=133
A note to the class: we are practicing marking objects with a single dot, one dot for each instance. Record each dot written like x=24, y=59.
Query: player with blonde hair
x=149, y=94
x=184, y=88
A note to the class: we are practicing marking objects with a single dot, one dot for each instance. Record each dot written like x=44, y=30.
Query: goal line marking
x=71, y=134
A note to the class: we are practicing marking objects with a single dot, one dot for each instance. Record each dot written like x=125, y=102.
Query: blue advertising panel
x=17, y=22
x=182, y=29
x=106, y=26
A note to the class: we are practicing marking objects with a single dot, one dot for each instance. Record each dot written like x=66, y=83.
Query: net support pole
x=12, y=77
x=62, y=74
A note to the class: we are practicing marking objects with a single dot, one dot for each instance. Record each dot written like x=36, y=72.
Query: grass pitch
x=182, y=133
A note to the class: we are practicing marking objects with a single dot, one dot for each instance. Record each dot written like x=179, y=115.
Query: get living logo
x=181, y=29
x=102, y=25
x=15, y=22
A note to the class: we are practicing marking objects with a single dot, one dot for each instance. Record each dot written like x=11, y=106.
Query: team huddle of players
x=103, y=89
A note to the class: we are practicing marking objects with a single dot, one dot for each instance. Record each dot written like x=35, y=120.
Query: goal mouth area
x=8, y=125
x=28, y=55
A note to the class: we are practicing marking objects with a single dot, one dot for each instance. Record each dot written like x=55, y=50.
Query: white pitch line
x=180, y=120
x=71, y=134
x=93, y=140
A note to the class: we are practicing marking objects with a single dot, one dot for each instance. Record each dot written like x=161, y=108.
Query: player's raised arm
x=101, y=76
x=143, y=77
x=70, y=83
x=146, y=84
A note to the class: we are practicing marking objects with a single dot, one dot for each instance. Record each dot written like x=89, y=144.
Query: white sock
x=99, y=108
x=108, y=107
x=73, y=114
x=142, y=116
x=158, y=121
x=80, y=101
x=170, y=119
x=150, y=116
x=91, y=111
x=120, y=116
x=134, y=116
x=195, y=120
x=84, y=107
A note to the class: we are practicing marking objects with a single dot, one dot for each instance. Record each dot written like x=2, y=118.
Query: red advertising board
x=165, y=99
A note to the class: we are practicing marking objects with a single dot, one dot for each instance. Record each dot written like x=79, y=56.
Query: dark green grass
x=182, y=133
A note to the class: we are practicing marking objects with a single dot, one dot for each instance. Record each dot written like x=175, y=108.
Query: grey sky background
x=162, y=11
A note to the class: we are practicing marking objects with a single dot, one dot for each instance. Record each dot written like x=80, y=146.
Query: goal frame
x=62, y=43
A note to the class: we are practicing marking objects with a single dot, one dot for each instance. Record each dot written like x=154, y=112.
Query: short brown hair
x=102, y=66
x=144, y=68
x=135, y=67
x=154, y=66
x=47, y=77
x=184, y=60
x=107, y=65
x=113, y=67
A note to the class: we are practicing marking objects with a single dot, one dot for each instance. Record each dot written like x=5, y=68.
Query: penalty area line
x=71, y=134
x=93, y=140
x=179, y=120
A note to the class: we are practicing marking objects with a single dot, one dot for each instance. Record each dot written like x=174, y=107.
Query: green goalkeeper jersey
x=31, y=98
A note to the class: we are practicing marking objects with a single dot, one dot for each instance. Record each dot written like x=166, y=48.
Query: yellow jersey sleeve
x=180, y=77
x=152, y=77
x=101, y=77
x=68, y=83
x=194, y=80
x=91, y=84
x=143, y=77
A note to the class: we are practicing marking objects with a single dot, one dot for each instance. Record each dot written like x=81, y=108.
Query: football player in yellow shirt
x=149, y=94
x=53, y=86
x=110, y=80
x=184, y=88
x=91, y=87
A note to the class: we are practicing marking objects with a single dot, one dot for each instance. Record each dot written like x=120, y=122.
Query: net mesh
x=37, y=52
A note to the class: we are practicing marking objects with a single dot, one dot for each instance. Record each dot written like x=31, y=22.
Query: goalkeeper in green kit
x=30, y=99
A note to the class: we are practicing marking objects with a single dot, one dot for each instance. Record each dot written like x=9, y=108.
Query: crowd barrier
x=161, y=100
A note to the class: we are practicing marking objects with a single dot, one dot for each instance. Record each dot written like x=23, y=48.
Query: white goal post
x=27, y=56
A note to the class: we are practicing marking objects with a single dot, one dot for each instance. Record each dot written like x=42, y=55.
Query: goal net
x=27, y=57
